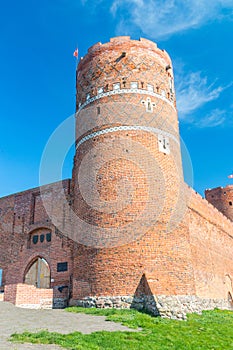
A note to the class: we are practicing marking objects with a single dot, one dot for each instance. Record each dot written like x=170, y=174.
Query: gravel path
x=18, y=320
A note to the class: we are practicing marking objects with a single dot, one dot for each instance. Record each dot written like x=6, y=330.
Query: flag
x=230, y=176
x=75, y=54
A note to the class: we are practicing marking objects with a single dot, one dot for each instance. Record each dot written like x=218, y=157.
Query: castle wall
x=211, y=240
x=188, y=270
x=27, y=233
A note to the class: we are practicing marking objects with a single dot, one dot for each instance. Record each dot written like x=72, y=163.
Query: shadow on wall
x=143, y=298
x=61, y=295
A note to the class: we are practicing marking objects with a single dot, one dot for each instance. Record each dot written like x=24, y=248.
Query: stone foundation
x=60, y=303
x=60, y=296
x=174, y=307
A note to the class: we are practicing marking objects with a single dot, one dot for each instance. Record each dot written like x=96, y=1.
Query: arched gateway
x=38, y=273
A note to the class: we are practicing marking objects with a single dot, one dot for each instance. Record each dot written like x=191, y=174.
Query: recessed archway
x=38, y=273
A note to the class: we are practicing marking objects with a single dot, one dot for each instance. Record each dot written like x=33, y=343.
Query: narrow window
x=42, y=238
x=149, y=107
x=98, y=110
x=163, y=142
x=230, y=203
x=124, y=81
x=48, y=237
x=35, y=239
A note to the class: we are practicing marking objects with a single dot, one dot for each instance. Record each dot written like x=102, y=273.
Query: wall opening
x=38, y=274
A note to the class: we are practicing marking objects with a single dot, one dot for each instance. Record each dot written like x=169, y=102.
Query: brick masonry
x=130, y=230
x=23, y=216
x=28, y=296
x=222, y=199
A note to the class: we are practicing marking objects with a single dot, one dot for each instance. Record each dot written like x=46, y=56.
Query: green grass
x=213, y=330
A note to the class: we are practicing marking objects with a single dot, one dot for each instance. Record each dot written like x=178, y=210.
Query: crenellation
x=94, y=47
x=120, y=39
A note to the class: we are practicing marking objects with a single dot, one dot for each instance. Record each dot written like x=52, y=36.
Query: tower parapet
x=110, y=69
x=222, y=199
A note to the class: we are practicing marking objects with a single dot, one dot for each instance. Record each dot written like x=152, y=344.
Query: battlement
x=118, y=40
x=209, y=211
x=127, y=43
x=65, y=184
x=219, y=189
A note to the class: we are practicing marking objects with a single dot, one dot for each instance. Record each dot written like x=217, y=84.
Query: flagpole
x=76, y=56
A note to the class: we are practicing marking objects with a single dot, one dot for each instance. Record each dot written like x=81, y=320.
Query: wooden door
x=38, y=274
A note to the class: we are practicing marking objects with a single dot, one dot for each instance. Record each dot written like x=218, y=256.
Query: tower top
x=122, y=64
x=119, y=40
x=127, y=43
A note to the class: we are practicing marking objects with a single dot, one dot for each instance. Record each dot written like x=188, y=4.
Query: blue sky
x=37, y=75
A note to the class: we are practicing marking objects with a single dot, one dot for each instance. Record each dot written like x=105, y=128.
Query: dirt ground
x=14, y=319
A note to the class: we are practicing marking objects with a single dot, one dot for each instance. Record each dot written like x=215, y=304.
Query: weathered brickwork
x=211, y=239
x=130, y=172
x=222, y=199
x=125, y=231
x=17, y=228
x=28, y=296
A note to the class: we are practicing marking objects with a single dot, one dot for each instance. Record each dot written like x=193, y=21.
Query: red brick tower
x=127, y=177
x=222, y=199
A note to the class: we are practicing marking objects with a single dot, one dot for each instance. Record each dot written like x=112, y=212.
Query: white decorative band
x=126, y=128
x=125, y=91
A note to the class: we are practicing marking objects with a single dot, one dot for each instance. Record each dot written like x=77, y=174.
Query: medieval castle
x=125, y=231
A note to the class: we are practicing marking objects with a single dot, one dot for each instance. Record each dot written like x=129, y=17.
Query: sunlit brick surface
x=129, y=192
x=127, y=227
